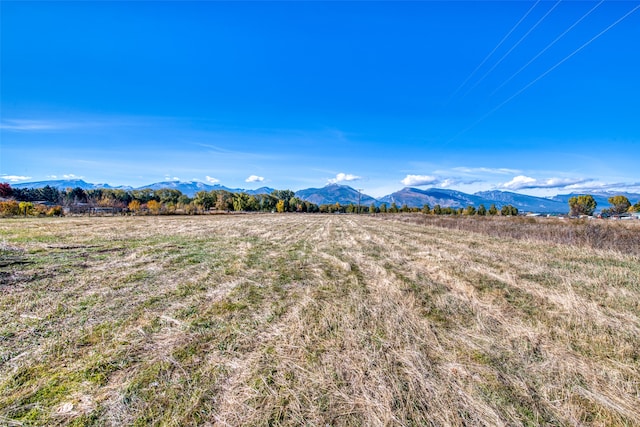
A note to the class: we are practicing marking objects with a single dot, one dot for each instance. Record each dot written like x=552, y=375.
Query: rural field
x=311, y=320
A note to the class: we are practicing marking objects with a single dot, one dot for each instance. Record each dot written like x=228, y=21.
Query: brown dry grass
x=310, y=319
x=616, y=235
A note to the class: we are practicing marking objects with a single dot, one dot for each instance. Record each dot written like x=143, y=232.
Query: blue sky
x=534, y=97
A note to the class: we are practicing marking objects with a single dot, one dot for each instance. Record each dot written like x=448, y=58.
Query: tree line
x=50, y=201
x=161, y=201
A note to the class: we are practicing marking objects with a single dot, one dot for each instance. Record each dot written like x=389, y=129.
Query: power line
x=494, y=49
x=513, y=47
x=547, y=47
x=531, y=83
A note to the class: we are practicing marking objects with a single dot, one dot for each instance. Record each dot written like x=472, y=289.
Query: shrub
x=55, y=211
x=10, y=208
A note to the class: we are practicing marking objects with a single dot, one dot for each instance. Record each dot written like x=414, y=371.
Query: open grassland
x=310, y=319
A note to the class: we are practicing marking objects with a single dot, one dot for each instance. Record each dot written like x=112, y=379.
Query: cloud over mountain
x=14, y=178
x=344, y=177
x=522, y=182
x=254, y=178
x=418, y=180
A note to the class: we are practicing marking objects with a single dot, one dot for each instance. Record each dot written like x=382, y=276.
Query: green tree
x=437, y=210
x=482, y=211
x=636, y=207
x=493, y=210
x=619, y=204
x=224, y=200
x=383, y=208
x=266, y=202
x=167, y=195
x=393, y=208
x=372, y=208
x=404, y=208
x=508, y=210
x=582, y=205
x=283, y=194
x=240, y=202
x=77, y=195
x=143, y=196
x=205, y=199
x=50, y=194
x=470, y=210
x=426, y=209
x=253, y=204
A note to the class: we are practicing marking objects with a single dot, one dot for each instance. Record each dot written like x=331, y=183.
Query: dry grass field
x=310, y=320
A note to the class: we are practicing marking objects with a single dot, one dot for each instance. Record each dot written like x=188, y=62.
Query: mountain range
x=345, y=195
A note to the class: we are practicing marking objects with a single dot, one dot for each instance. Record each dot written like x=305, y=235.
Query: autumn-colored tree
x=134, y=206
x=55, y=211
x=470, y=210
x=154, y=206
x=26, y=208
x=280, y=206
x=636, y=207
x=619, y=204
x=9, y=208
x=5, y=189
x=582, y=205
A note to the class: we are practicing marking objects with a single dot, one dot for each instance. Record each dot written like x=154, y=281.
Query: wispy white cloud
x=212, y=180
x=604, y=186
x=170, y=178
x=14, y=178
x=30, y=125
x=450, y=182
x=418, y=180
x=483, y=170
x=522, y=182
x=254, y=178
x=344, y=177
x=71, y=176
